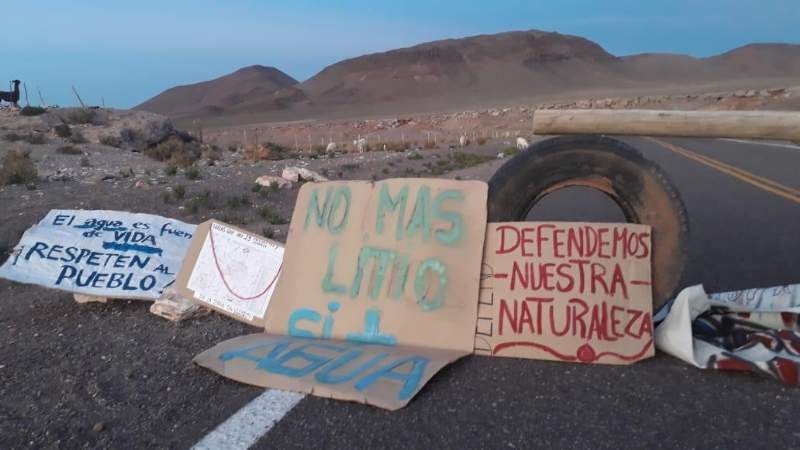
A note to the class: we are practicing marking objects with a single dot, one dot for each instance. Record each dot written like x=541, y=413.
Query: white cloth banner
x=103, y=253
x=759, y=315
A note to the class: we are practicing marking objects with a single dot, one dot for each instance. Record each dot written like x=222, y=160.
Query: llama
x=522, y=144
x=11, y=97
x=463, y=141
x=331, y=147
x=360, y=145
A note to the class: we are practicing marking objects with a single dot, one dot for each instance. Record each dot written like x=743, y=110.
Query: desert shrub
x=237, y=201
x=256, y=187
x=415, y=155
x=18, y=168
x=457, y=160
x=166, y=197
x=391, y=146
x=271, y=215
x=179, y=191
x=77, y=137
x=430, y=145
x=129, y=135
x=111, y=141
x=268, y=232
x=126, y=173
x=32, y=111
x=69, y=150
x=192, y=173
x=269, y=151
x=174, y=151
x=481, y=141
x=212, y=153
x=35, y=138
x=236, y=219
x=12, y=137
x=200, y=201
x=233, y=148
x=82, y=116
x=462, y=159
x=510, y=151
x=62, y=130
x=385, y=170
x=171, y=170
x=318, y=151
x=85, y=162
x=351, y=166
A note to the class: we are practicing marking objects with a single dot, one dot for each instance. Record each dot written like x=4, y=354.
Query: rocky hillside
x=253, y=87
x=471, y=71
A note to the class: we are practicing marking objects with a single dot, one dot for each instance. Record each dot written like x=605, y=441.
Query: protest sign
x=231, y=270
x=377, y=277
x=562, y=291
x=101, y=253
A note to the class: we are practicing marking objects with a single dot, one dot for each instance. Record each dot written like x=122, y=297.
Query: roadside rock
x=269, y=180
x=296, y=174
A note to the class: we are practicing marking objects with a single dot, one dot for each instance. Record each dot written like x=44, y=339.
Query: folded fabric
x=754, y=330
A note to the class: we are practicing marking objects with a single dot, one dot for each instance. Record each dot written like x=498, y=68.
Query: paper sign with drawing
x=105, y=253
x=231, y=270
x=563, y=291
x=377, y=291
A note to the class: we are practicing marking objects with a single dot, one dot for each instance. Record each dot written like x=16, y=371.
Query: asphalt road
x=744, y=233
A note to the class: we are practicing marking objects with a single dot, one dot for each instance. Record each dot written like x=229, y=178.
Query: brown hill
x=456, y=73
x=252, y=88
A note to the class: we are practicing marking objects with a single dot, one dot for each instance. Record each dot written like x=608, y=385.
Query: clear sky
x=127, y=51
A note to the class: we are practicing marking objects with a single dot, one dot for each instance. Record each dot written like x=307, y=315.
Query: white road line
x=247, y=425
x=768, y=144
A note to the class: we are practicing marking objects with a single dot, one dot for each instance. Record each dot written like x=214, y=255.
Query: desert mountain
x=474, y=70
x=249, y=88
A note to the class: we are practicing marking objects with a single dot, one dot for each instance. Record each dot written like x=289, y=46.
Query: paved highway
x=744, y=208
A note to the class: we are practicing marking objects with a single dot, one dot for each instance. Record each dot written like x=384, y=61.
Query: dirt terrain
x=500, y=122
x=111, y=376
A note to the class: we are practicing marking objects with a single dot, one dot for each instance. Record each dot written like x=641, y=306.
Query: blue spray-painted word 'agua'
x=333, y=364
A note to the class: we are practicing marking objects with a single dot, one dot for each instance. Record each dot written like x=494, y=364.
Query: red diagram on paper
x=225, y=282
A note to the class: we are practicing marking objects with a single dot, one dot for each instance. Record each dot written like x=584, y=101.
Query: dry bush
x=175, y=152
x=269, y=151
x=32, y=111
x=69, y=150
x=77, y=138
x=83, y=116
x=391, y=146
x=35, y=138
x=17, y=168
x=111, y=141
x=62, y=130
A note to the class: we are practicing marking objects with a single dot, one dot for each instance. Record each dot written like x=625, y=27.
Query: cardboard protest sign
x=391, y=269
x=101, y=253
x=375, y=374
x=562, y=291
x=231, y=270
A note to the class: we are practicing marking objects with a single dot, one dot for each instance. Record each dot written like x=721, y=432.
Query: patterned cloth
x=754, y=330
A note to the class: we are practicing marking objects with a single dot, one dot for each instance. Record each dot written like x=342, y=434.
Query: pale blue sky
x=128, y=51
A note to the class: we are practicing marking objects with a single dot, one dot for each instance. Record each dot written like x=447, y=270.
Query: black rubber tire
x=642, y=190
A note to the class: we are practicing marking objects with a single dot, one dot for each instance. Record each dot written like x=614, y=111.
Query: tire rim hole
x=576, y=204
